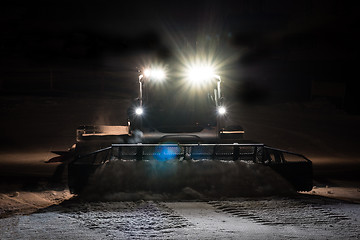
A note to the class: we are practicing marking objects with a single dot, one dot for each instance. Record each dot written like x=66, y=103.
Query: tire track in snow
x=302, y=212
x=118, y=220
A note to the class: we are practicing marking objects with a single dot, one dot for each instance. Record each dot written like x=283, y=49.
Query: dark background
x=284, y=50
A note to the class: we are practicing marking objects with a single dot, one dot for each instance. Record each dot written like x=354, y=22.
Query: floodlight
x=200, y=74
x=156, y=74
x=221, y=110
x=139, y=111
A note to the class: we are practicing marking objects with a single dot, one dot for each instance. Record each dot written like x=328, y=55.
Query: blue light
x=164, y=153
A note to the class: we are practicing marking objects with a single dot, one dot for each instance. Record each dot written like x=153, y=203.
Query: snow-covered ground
x=265, y=218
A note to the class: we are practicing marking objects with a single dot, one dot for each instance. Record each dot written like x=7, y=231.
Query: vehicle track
x=281, y=212
x=140, y=219
x=303, y=212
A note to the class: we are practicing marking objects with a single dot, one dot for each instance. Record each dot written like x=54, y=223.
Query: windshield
x=172, y=108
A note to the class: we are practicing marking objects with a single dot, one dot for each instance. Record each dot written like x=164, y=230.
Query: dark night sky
x=276, y=41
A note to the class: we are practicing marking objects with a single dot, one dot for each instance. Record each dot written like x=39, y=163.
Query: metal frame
x=298, y=173
x=252, y=152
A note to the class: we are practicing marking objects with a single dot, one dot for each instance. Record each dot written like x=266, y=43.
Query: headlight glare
x=139, y=111
x=200, y=74
x=156, y=74
x=221, y=110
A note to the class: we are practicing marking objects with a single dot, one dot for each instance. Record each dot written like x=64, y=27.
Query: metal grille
x=201, y=152
x=225, y=152
x=244, y=152
x=128, y=153
x=257, y=153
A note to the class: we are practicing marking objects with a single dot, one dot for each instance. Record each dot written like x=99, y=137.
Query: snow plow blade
x=171, y=167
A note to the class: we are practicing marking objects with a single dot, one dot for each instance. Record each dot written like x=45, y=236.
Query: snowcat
x=177, y=136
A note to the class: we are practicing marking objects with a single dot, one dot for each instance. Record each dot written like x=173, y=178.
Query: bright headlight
x=221, y=110
x=139, y=111
x=147, y=73
x=157, y=74
x=200, y=74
